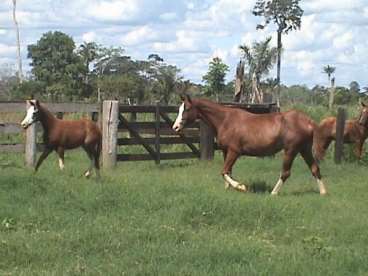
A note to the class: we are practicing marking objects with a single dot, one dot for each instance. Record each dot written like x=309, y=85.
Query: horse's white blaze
x=277, y=187
x=61, y=164
x=178, y=125
x=234, y=184
x=321, y=186
x=28, y=120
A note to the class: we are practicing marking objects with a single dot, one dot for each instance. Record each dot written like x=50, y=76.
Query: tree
x=260, y=58
x=19, y=58
x=354, y=87
x=56, y=64
x=329, y=70
x=165, y=82
x=88, y=53
x=215, y=77
x=286, y=14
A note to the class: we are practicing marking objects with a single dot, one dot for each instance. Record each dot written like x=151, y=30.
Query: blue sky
x=190, y=33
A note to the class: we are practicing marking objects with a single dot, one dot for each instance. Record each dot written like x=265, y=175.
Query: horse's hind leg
x=227, y=185
x=60, y=152
x=313, y=166
x=289, y=156
x=91, y=158
x=230, y=159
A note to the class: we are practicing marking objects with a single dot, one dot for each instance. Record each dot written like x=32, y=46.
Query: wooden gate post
x=340, y=125
x=110, y=121
x=157, y=132
x=206, y=144
x=30, y=146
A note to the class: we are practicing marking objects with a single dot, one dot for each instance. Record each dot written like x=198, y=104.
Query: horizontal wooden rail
x=147, y=109
x=10, y=128
x=163, y=141
x=164, y=131
x=163, y=156
x=53, y=107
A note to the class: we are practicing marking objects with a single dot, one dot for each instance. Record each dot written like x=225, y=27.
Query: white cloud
x=114, y=10
x=190, y=33
x=143, y=34
x=89, y=37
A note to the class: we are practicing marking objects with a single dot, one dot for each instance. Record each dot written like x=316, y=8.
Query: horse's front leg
x=230, y=159
x=60, y=152
x=43, y=156
x=289, y=157
x=359, y=149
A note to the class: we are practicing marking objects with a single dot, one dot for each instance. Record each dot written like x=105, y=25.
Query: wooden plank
x=164, y=156
x=53, y=107
x=134, y=157
x=11, y=147
x=340, y=125
x=182, y=136
x=136, y=135
x=152, y=125
x=146, y=109
x=206, y=142
x=10, y=128
x=157, y=132
x=12, y=107
x=165, y=131
x=163, y=141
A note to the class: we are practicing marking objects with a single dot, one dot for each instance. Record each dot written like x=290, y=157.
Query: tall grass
x=177, y=219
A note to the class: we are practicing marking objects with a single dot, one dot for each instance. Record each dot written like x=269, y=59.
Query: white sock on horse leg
x=321, y=186
x=88, y=172
x=61, y=164
x=277, y=187
x=234, y=184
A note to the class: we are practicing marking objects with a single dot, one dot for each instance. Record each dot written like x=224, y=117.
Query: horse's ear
x=189, y=99
x=37, y=103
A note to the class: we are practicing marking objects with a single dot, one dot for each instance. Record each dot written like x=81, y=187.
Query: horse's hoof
x=87, y=174
x=241, y=188
x=323, y=193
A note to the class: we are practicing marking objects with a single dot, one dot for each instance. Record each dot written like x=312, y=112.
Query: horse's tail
x=319, y=149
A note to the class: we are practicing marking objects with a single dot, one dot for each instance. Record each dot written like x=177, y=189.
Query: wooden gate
x=121, y=129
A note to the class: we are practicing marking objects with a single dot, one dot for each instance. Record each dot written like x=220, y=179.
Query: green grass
x=177, y=219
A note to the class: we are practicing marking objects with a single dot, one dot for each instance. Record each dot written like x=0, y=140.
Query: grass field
x=177, y=219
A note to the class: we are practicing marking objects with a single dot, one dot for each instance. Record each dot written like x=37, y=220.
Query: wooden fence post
x=110, y=121
x=157, y=132
x=206, y=138
x=31, y=147
x=340, y=125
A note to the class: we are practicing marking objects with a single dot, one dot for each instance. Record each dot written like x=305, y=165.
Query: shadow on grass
x=259, y=187
x=179, y=164
x=305, y=192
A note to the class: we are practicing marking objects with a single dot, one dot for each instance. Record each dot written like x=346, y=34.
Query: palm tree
x=88, y=53
x=20, y=73
x=329, y=70
x=286, y=14
x=260, y=59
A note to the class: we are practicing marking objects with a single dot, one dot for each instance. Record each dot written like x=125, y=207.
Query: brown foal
x=355, y=132
x=240, y=132
x=60, y=135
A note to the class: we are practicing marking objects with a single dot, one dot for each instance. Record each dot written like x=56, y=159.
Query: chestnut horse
x=241, y=132
x=355, y=132
x=60, y=135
